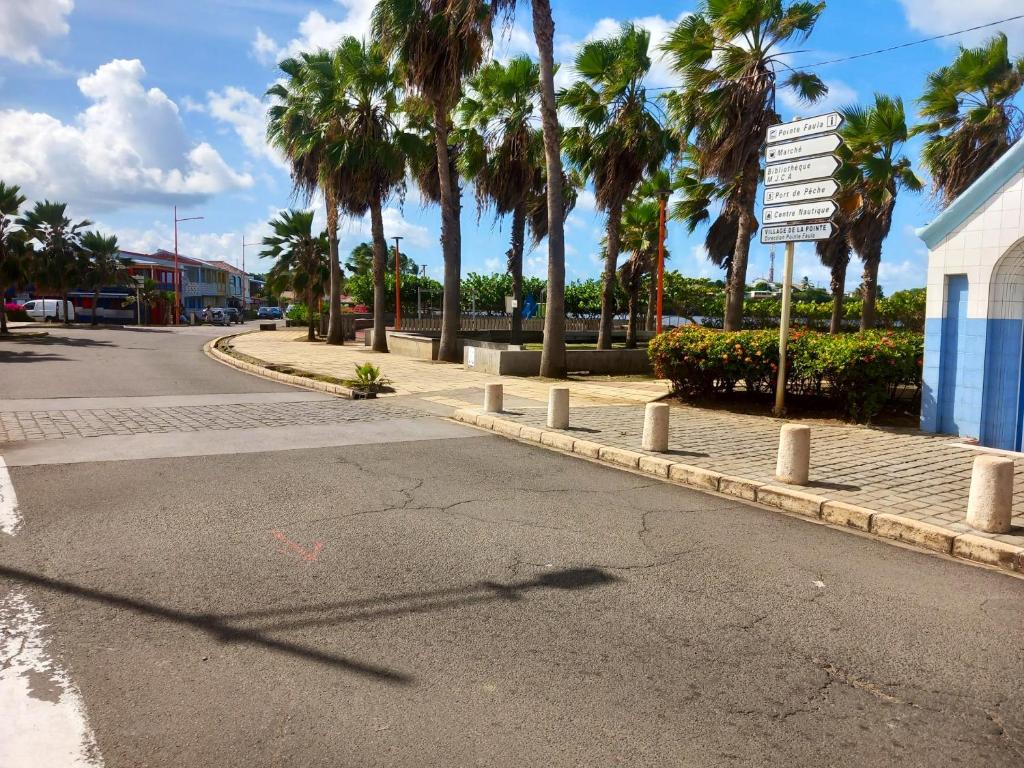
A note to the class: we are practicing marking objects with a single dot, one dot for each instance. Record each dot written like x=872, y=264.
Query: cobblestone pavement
x=924, y=477
x=422, y=377
x=58, y=424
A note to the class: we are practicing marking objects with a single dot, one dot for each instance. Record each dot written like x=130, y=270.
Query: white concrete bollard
x=794, y=460
x=492, y=398
x=558, y=408
x=990, y=503
x=655, y=436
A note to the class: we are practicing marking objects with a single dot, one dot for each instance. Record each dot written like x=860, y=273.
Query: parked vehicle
x=235, y=315
x=49, y=310
x=269, y=313
x=216, y=316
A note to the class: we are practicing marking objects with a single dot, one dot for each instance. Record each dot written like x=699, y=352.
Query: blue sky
x=125, y=108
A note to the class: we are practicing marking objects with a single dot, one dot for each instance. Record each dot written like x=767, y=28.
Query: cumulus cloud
x=247, y=115
x=27, y=24
x=316, y=31
x=936, y=17
x=129, y=146
x=839, y=95
x=395, y=223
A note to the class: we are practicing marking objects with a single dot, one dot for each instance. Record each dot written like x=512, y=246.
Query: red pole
x=661, y=258
x=177, y=272
x=398, y=286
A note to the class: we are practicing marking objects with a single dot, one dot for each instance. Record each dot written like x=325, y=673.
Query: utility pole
x=661, y=258
x=398, y=285
x=177, y=269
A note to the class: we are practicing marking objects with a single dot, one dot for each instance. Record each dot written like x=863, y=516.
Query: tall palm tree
x=301, y=260
x=970, y=115
x=641, y=220
x=874, y=137
x=103, y=266
x=58, y=256
x=835, y=252
x=301, y=122
x=618, y=138
x=659, y=188
x=727, y=54
x=438, y=43
x=13, y=245
x=504, y=154
x=367, y=156
x=360, y=260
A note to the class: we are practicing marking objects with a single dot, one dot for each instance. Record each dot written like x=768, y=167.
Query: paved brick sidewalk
x=922, y=477
x=422, y=377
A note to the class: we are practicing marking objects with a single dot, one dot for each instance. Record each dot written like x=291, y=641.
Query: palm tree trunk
x=380, y=255
x=451, y=240
x=611, y=258
x=310, y=316
x=335, y=334
x=552, y=358
x=95, y=307
x=634, y=296
x=838, y=286
x=515, y=266
x=869, y=288
x=737, y=281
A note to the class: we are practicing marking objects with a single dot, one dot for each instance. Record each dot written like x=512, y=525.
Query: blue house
x=975, y=310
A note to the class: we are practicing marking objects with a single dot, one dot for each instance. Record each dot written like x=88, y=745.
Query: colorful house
x=973, y=373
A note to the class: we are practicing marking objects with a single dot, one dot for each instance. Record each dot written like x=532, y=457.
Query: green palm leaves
x=300, y=259
x=103, y=267
x=970, y=117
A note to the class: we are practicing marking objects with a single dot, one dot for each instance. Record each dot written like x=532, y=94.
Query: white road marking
x=10, y=520
x=43, y=721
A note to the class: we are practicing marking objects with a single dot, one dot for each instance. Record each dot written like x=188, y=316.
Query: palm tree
x=150, y=295
x=59, y=253
x=659, y=188
x=835, y=252
x=301, y=122
x=104, y=267
x=873, y=137
x=437, y=44
x=970, y=116
x=504, y=154
x=301, y=260
x=360, y=260
x=367, y=157
x=727, y=54
x=618, y=139
x=640, y=229
x=13, y=245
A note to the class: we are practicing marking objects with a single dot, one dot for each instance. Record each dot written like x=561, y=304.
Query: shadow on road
x=223, y=628
x=28, y=356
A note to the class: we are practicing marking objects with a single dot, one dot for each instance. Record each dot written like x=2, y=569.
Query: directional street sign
x=792, y=150
x=809, y=126
x=798, y=193
x=822, y=209
x=797, y=233
x=800, y=170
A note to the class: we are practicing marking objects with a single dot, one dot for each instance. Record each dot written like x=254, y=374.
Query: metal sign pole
x=787, y=282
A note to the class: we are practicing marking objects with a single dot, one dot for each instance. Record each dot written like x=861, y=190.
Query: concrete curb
x=963, y=546
x=210, y=348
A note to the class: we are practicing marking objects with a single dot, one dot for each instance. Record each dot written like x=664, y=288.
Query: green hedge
x=858, y=371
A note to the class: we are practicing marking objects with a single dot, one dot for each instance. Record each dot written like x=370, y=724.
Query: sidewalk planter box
x=519, y=362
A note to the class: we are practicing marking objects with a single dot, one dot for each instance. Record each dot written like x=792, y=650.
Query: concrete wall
x=511, y=362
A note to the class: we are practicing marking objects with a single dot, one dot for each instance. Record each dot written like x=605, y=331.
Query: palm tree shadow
x=225, y=628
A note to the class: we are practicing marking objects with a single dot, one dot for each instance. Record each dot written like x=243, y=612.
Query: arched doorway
x=1002, y=411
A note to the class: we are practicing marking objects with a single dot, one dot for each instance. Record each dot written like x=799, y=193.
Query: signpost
x=799, y=166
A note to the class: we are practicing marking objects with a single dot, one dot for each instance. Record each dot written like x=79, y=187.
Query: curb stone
x=964, y=546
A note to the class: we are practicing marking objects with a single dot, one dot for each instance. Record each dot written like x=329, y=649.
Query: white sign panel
x=800, y=170
x=792, y=150
x=822, y=209
x=807, y=127
x=796, y=233
x=797, y=193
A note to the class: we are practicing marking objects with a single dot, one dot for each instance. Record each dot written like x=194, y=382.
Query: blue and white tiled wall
x=974, y=325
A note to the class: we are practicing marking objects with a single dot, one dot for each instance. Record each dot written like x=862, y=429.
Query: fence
x=494, y=323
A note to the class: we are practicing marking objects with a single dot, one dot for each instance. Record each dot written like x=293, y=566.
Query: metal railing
x=494, y=323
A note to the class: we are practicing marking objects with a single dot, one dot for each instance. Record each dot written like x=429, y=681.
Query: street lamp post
x=177, y=270
x=245, y=277
x=398, y=285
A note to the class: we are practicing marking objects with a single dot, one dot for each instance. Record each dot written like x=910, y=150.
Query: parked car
x=48, y=310
x=235, y=315
x=269, y=313
x=216, y=316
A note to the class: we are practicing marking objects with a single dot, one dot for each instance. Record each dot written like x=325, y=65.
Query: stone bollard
x=794, y=460
x=655, y=436
x=492, y=398
x=990, y=503
x=558, y=408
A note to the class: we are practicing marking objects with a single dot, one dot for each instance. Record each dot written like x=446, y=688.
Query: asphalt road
x=453, y=598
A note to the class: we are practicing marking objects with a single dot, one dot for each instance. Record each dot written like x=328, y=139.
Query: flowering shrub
x=858, y=371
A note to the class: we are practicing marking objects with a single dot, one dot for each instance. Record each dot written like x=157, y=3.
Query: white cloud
x=936, y=17
x=493, y=264
x=317, y=31
x=536, y=266
x=247, y=115
x=26, y=24
x=129, y=146
x=839, y=95
x=395, y=223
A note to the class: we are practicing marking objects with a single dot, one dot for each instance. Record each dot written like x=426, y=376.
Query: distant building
x=975, y=310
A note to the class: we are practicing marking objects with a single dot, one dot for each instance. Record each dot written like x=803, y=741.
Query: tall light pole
x=177, y=271
x=245, y=277
x=398, y=285
x=661, y=257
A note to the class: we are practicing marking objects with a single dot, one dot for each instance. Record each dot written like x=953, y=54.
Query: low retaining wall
x=514, y=362
x=407, y=344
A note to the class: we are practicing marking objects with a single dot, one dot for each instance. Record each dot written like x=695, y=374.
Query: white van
x=49, y=309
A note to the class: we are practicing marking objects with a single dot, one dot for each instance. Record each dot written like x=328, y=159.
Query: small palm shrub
x=368, y=379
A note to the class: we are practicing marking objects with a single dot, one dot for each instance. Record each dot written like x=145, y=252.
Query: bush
x=859, y=371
